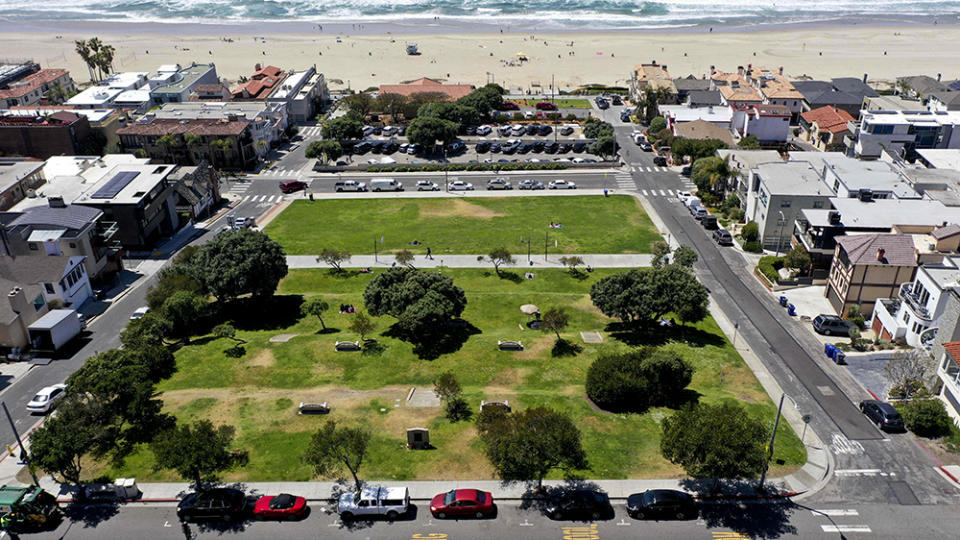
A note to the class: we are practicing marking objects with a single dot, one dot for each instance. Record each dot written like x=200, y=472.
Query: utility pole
x=23, y=450
x=773, y=437
x=546, y=246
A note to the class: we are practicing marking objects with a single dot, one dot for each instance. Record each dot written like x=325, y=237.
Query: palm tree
x=648, y=102
x=83, y=49
x=716, y=172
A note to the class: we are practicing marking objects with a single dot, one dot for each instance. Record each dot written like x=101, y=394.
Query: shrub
x=750, y=232
x=926, y=417
x=571, y=117
x=753, y=247
x=657, y=124
x=634, y=381
x=769, y=266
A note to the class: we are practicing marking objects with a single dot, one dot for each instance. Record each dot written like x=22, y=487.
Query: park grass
x=563, y=103
x=259, y=392
x=591, y=224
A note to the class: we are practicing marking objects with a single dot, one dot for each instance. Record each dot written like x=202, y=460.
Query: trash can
x=783, y=301
x=839, y=358
x=830, y=350
x=791, y=310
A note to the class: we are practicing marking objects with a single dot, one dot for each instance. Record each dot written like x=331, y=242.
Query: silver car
x=530, y=184
x=562, y=184
x=499, y=183
x=427, y=185
x=460, y=185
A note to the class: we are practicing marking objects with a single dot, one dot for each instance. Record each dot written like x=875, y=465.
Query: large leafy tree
x=452, y=111
x=594, y=128
x=605, y=146
x=422, y=302
x=176, y=277
x=198, y=452
x=417, y=100
x=715, y=441
x=59, y=445
x=696, y=148
x=644, y=295
x=428, y=131
x=343, y=128
x=149, y=330
x=185, y=310
x=527, y=445
x=333, y=447
x=636, y=380
x=484, y=100
x=392, y=104
x=362, y=103
x=327, y=150
x=240, y=262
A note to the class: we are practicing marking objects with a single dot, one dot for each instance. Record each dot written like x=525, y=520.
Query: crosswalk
x=642, y=168
x=279, y=173
x=658, y=192
x=833, y=527
x=271, y=199
x=625, y=181
x=235, y=188
x=310, y=131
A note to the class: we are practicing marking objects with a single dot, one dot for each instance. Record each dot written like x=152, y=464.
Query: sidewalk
x=470, y=261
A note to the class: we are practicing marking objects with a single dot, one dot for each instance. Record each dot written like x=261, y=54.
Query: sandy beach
x=363, y=60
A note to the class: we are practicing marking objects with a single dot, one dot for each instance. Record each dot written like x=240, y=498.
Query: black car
x=524, y=148
x=378, y=130
x=564, y=148
x=377, y=147
x=402, y=130
x=224, y=504
x=531, y=130
x=544, y=130
x=580, y=147
x=662, y=503
x=510, y=148
x=617, y=100
x=390, y=147
x=660, y=161
x=579, y=503
x=362, y=148
x=455, y=147
x=496, y=147
x=686, y=171
x=539, y=146
x=551, y=147
x=882, y=414
x=566, y=130
x=483, y=147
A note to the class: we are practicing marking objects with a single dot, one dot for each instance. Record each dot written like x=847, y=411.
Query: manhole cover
x=591, y=337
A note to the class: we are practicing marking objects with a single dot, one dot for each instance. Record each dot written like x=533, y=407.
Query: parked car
x=683, y=196
x=282, y=506
x=625, y=116
x=645, y=146
x=460, y=185
x=291, y=186
x=602, y=103
x=244, y=222
x=551, y=147
x=723, y=237
x=391, y=502
x=524, y=148
x=139, y=313
x=403, y=148
x=499, y=183
x=709, y=222
x=367, y=130
x=427, y=185
x=531, y=130
x=530, y=184
x=660, y=161
x=564, y=148
x=566, y=130
x=455, y=148
x=546, y=106
x=617, y=100
x=580, y=147
x=376, y=147
x=699, y=212
x=414, y=149
x=562, y=184
x=829, y=325
x=518, y=130
x=495, y=148
x=544, y=130
x=538, y=146
x=463, y=503
x=350, y=185
x=509, y=106
x=385, y=184
x=578, y=503
x=389, y=130
x=362, y=147
x=225, y=504
x=882, y=414
x=687, y=170
x=470, y=130
x=483, y=147
x=484, y=130
x=661, y=503
x=390, y=147
x=46, y=399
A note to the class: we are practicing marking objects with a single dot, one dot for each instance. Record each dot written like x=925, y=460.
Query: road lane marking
x=856, y=472
x=842, y=445
x=581, y=533
x=663, y=193
x=845, y=528
x=526, y=523
x=644, y=192
x=728, y=535
x=835, y=512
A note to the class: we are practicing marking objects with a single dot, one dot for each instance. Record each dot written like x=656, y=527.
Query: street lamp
x=783, y=220
x=773, y=436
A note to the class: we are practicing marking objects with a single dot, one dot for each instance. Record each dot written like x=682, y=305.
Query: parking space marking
x=835, y=512
x=434, y=536
x=845, y=528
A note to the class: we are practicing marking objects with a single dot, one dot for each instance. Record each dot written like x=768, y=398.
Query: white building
x=902, y=132
x=777, y=193
x=770, y=124
x=176, y=87
x=106, y=91
x=719, y=115
x=302, y=92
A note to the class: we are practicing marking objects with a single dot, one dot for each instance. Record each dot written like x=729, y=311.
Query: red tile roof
x=174, y=126
x=269, y=71
x=57, y=119
x=260, y=84
x=829, y=118
x=422, y=85
x=953, y=349
x=32, y=82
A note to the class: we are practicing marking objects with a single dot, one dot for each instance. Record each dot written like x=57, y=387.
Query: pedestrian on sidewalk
x=429, y=256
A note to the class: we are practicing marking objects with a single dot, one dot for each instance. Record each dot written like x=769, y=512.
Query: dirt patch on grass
x=536, y=347
x=457, y=208
x=263, y=358
x=509, y=377
x=461, y=459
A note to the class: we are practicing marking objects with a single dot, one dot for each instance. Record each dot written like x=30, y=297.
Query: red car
x=292, y=185
x=546, y=106
x=283, y=506
x=463, y=503
x=509, y=106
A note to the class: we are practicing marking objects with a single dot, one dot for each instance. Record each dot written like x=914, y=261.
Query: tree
x=417, y=100
x=498, y=257
x=554, y=320
x=648, y=103
x=750, y=232
x=484, y=100
x=392, y=104
x=334, y=258
x=749, y=142
x=605, y=146
x=185, y=310
x=198, y=451
x=715, y=441
x=315, y=306
x=149, y=330
x=639, y=379
x=572, y=262
x=696, y=148
x=684, y=256
x=361, y=103
x=661, y=253
x=240, y=262
x=645, y=295
x=594, y=128
x=797, y=258
x=331, y=448
x=422, y=302
x=361, y=324
x=342, y=128
x=448, y=390
x=657, y=125
x=927, y=418
x=97, y=55
x=711, y=173
x=227, y=331
x=59, y=444
x=404, y=257
x=428, y=131
x=453, y=111
x=529, y=444
x=907, y=373
x=328, y=150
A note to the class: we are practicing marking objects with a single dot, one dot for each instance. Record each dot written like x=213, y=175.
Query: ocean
x=539, y=14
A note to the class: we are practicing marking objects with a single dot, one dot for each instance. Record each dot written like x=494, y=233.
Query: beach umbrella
x=529, y=309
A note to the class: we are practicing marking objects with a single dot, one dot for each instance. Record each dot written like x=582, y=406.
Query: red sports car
x=463, y=502
x=283, y=506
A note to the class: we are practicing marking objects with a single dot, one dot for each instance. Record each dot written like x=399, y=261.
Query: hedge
x=753, y=247
x=553, y=166
x=769, y=266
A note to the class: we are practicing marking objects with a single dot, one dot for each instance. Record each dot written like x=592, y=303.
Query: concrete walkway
x=470, y=261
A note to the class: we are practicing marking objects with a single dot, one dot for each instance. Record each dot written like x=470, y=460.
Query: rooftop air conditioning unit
x=833, y=217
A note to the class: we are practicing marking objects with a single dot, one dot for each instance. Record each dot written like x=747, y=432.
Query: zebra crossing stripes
x=658, y=193
x=641, y=168
x=311, y=131
x=280, y=173
x=262, y=198
x=625, y=181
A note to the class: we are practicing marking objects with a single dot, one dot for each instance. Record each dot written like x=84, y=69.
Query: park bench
x=347, y=346
x=314, y=408
x=510, y=345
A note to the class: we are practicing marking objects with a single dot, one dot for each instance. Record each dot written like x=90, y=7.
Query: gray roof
x=792, y=178
x=704, y=97
x=840, y=91
x=863, y=249
x=853, y=85
x=922, y=83
x=73, y=216
x=944, y=232
x=689, y=84
x=883, y=214
x=34, y=268
x=7, y=315
x=951, y=98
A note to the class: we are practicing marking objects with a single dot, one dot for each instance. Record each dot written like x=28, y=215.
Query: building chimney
x=780, y=70
x=713, y=69
x=880, y=253
x=18, y=300
x=739, y=70
x=864, y=78
x=256, y=67
x=938, y=77
x=56, y=202
x=663, y=67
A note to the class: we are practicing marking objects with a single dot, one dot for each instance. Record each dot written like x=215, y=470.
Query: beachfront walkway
x=470, y=261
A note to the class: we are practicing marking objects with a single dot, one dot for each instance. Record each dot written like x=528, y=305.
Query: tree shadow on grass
x=511, y=276
x=328, y=330
x=445, y=340
x=237, y=351
x=345, y=274
x=638, y=335
x=372, y=347
x=273, y=313
x=562, y=348
x=579, y=275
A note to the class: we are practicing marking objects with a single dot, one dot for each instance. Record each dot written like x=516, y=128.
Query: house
x=777, y=193
x=47, y=84
x=948, y=373
x=775, y=88
x=948, y=100
x=719, y=116
x=688, y=85
x=770, y=124
x=211, y=92
x=197, y=189
x=742, y=161
x=60, y=229
x=176, y=87
x=23, y=305
x=652, y=75
x=944, y=158
x=303, y=93
x=43, y=136
x=104, y=123
x=63, y=277
x=844, y=93
x=919, y=86
x=703, y=98
x=867, y=267
x=826, y=127
x=902, y=132
x=261, y=83
x=701, y=129
x=104, y=93
x=889, y=103
x=424, y=85
x=13, y=72
x=187, y=142
x=18, y=178
x=856, y=179
x=733, y=87
x=268, y=121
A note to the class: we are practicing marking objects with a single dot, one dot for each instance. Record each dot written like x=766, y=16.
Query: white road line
x=270, y=199
x=856, y=472
x=663, y=193
x=835, y=512
x=845, y=528
x=644, y=192
x=670, y=192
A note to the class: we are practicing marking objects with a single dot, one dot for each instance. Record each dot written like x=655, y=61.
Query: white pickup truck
x=391, y=502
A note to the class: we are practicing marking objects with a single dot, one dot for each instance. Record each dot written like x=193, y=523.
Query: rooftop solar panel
x=115, y=185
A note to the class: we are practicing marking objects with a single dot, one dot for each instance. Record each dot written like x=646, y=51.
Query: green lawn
x=259, y=392
x=591, y=224
x=563, y=103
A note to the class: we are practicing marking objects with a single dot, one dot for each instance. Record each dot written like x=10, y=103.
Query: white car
x=139, y=313
x=388, y=130
x=529, y=115
x=499, y=183
x=427, y=185
x=518, y=130
x=561, y=184
x=46, y=398
x=460, y=185
x=484, y=130
x=683, y=196
x=578, y=160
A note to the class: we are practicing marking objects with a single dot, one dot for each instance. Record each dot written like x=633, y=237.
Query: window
x=39, y=302
x=49, y=288
x=33, y=246
x=785, y=203
x=818, y=204
x=73, y=245
x=906, y=318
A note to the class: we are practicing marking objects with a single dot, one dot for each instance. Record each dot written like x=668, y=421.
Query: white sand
x=368, y=60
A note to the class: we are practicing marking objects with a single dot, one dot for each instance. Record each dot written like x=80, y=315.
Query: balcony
x=913, y=300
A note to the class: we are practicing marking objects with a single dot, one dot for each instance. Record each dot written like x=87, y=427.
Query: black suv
x=579, y=503
x=882, y=414
x=221, y=503
x=662, y=503
x=831, y=325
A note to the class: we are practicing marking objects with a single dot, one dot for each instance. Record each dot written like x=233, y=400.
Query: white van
x=385, y=184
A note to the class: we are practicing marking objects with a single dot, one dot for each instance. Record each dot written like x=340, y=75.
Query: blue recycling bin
x=783, y=301
x=839, y=357
x=791, y=310
x=830, y=350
